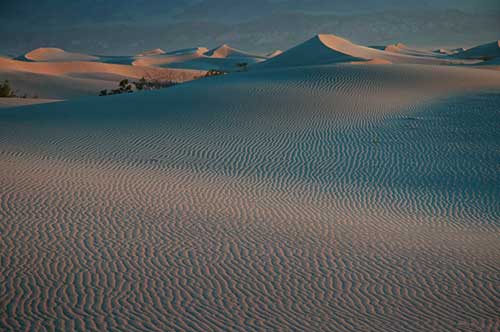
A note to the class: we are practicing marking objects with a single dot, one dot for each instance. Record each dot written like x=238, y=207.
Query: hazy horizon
x=115, y=27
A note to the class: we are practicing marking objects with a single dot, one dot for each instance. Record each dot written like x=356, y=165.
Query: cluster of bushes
x=213, y=72
x=7, y=92
x=125, y=86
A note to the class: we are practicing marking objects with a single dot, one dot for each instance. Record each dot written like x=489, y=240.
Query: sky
x=131, y=26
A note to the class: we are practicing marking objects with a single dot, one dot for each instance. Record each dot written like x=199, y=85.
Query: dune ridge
x=223, y=58
x=226, y=51
x=56, y=74
x=15, y=102
x=485, y=51
x=330, y=49
x=275, y=53
x=156, y=51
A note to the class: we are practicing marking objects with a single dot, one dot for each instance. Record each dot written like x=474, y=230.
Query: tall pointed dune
x=319, y=50
x=226, y=51
x=330, y=49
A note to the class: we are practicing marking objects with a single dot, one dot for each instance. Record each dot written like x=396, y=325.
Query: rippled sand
x=334, y=198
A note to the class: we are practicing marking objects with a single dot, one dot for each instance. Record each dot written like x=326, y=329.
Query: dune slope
x=226, y=51
x=156, y=51
x=57, y=54
x=329, y=49
x=63, y=80
x=223, y=58
x=15, y=102
x=485, y=52
x=328, y=198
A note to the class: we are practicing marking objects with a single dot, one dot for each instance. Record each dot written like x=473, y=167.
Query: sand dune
x=62, y=80
x=198, y=50
x=398, y=47
x=314, y=198
x=55, y=87
x=403, y=49
x=448, y=51
x=156, y=51
x=163, y=60
x=57, y=54
x=226, y=51
x=330, y=49
x=275, y=53
x=493, y=64
x=64, y=68
x=483, y=52
x=14, y=102
x=223, y=58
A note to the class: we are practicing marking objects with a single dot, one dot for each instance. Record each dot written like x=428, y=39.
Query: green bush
x=6, y=90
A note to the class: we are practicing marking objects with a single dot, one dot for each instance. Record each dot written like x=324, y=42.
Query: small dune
x=15, y=102
x=57, y=54
x=396, y=48
x=223, y=58
x=225, y=51
x=273, y=54
x=156, y=51
x=62, y=80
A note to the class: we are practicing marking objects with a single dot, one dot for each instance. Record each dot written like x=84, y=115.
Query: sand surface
x=14, y=102
x=223, y=58
x=56, y=54
x=322, y=198
x=329, y=49
x=71, y=79
x=156, y=51
x=487, y=51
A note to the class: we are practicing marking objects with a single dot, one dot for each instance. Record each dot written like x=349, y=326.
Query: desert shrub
x=214, y=72
x=154, y=85
x=126, y=87
x=139, y=85
x=6, y=90
x=242, y=65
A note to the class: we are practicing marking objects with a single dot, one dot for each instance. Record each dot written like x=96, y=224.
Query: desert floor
x=318, y=197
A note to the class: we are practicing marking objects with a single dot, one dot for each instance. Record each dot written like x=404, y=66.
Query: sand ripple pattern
x=339, y=198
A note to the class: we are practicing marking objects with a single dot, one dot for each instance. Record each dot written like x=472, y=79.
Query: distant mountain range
x=127, y=27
